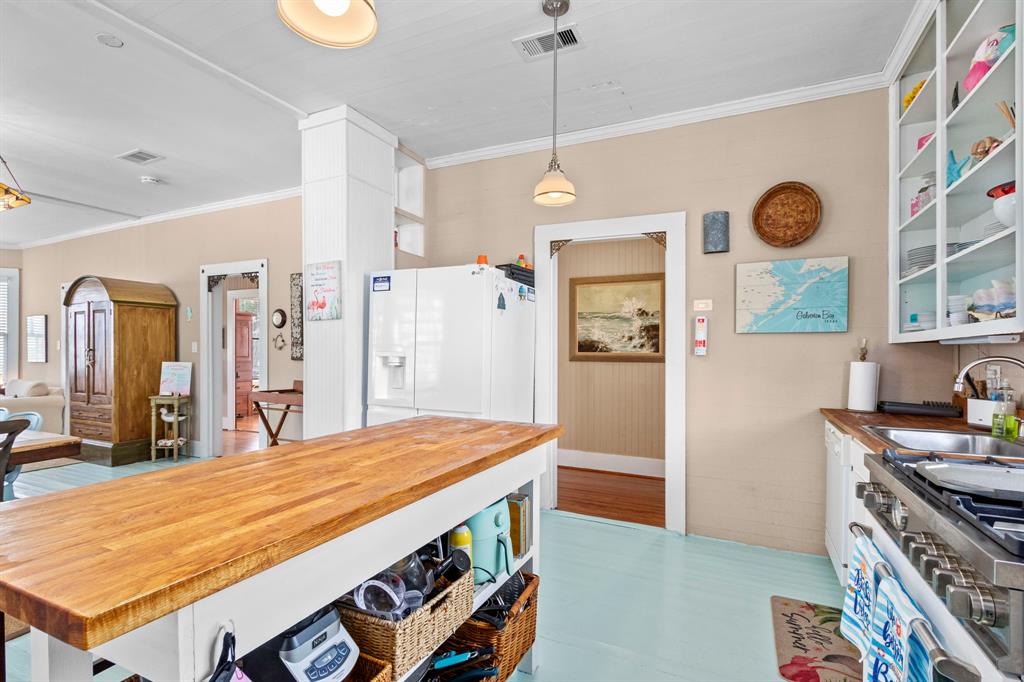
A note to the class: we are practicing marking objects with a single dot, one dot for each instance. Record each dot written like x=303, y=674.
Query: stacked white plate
x=957, y=307
x=993, y=228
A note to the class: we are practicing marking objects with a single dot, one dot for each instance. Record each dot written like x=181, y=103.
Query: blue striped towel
x=890, y=658
x=861, y=583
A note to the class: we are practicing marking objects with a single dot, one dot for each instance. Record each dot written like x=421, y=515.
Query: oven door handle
x=952, y=668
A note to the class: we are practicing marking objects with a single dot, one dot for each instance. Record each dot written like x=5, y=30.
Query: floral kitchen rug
x=808, y=644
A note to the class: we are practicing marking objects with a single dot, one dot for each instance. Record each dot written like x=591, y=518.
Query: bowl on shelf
x=1004, y=202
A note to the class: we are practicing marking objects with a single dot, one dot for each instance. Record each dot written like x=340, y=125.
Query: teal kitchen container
x=492, y=545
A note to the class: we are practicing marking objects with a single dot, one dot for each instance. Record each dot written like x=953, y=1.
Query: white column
x=348, y=170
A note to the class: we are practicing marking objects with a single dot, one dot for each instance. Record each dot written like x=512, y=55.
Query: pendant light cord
x=11, y=173
x=554, y=101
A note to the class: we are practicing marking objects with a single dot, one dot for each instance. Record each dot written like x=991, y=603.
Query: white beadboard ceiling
x=216, y=86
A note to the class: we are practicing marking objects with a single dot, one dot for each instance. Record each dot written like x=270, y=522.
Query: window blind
x=4, y=305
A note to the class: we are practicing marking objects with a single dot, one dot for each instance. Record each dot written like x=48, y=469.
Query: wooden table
x=145, y=571
x=39, y=446
x=288, y=397
x=31, y=447
x=180, y=405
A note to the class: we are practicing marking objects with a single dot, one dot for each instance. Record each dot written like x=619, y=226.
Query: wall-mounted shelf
x=961, y=215
x=410, y=202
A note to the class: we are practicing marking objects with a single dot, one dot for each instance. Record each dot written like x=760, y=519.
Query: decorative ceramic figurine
x=983, y=147
x=954, y=168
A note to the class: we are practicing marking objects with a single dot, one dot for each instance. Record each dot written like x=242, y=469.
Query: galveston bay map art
x=798, y=295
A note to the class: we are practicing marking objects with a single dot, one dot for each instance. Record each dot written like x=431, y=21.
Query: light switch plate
x=195, y=346
x=702, y=305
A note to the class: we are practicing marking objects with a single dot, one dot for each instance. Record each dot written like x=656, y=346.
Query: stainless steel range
x=960, y=522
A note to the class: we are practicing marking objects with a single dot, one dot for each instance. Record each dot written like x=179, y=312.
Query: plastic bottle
x=461, y=538
x=1011, y=425
x=1004, y=413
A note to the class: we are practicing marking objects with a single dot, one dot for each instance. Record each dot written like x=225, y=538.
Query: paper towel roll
x=863, y=393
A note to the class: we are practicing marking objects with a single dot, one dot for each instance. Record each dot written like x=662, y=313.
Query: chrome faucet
x=958, y=385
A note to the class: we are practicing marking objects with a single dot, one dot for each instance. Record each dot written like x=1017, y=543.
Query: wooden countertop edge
x=43, y=444
x=852, y=423
x=89, y=631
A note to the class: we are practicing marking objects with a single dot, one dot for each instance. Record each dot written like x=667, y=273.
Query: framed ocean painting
x=617, y=319
x=791, y=296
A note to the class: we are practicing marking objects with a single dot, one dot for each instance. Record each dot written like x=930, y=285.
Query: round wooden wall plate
x=787, y=214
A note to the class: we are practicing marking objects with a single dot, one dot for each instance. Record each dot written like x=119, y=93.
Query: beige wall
x=755, y=460
x=615, y=408
x=171, y=252
x=10, y=258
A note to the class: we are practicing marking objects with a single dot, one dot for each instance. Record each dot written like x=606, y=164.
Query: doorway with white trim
x=555, y=331
x=232, y=355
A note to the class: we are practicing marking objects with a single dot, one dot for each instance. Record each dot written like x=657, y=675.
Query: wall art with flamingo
x=323, y=291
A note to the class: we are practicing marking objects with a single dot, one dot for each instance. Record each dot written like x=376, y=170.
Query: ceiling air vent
x=539, y=44
x=140, y=157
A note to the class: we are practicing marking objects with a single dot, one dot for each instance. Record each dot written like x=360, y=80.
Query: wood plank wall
x=615, y=408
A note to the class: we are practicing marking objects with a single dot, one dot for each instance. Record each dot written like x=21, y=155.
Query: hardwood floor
x=237, y=442
x=623, y=497
x=250, y=423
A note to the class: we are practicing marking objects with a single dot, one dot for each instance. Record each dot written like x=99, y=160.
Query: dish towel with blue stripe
x=889, y=656
x=861, y=584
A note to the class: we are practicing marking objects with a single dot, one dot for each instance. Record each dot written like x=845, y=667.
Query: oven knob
x=859, y=489
x=928, y=563
x=979, y=603
x=897, y=514
x=907, y=537
x=954, y=575
x=920, y=549
x=878, y=500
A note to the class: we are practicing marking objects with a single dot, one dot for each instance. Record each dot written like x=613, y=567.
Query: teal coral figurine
x=954, y=168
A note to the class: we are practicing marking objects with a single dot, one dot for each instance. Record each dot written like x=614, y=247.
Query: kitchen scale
x=316, y=648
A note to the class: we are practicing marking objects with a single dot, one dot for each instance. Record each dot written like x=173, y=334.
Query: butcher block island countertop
x=852, y=423
x=91, y=564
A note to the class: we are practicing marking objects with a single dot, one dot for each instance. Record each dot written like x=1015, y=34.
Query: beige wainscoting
x=615, y=408
x=755, y=457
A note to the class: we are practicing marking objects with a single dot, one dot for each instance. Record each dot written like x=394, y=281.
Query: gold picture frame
x=612, y=318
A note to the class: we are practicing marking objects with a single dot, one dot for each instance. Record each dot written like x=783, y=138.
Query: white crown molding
x=918, y=19
x=346, y=113
x=746, y=105
x=168, y=215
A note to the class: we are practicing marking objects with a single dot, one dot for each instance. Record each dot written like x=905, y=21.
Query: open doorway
x=243, y=374
x=232, y=355
x=611, y=379
x=668, y=230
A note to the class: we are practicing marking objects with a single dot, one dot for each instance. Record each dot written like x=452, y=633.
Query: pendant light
x=554, y=189
x=331, y=23
x=10, y=197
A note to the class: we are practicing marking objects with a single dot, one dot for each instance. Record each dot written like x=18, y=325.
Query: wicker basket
x=511, y=643
x=370, y=669
x=406, y=642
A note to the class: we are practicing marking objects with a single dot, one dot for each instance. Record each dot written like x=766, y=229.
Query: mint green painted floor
x=620, y=602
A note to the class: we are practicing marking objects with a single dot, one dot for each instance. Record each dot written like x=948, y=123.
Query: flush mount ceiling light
x=10, y=197
x=110, y=40
x=331, y=23
x=554, y=189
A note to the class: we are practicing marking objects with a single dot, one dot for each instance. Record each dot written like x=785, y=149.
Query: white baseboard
x=227, y=423
x=620, y=464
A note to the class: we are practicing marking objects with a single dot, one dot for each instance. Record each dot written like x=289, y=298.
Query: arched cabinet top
x=120, y=291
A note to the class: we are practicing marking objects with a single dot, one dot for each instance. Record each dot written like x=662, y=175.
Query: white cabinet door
x=837, y=489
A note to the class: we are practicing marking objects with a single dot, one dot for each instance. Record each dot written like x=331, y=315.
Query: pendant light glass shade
x=554, y=189
x=331, y=23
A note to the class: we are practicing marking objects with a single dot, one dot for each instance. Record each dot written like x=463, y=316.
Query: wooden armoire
x=118, y=333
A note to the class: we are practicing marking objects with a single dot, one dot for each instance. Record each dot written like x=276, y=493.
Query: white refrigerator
x=455, y=341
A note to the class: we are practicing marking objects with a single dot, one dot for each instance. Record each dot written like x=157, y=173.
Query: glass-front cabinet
x=956, y=251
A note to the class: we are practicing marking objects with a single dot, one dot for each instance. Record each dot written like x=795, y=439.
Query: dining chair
x=35, y=420
x=9, y=430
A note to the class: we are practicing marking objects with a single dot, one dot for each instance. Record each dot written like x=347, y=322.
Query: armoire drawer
x=91, y=430
x=92, y=413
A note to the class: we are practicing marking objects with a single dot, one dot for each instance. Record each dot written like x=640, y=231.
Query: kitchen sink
x=962, y=442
